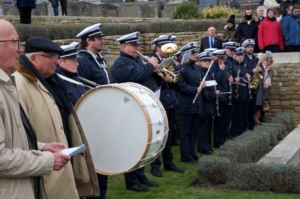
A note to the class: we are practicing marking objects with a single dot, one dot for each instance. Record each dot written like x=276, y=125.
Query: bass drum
x=125, y=124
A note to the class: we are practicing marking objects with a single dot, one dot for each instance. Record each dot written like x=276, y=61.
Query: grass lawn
x=176, y=185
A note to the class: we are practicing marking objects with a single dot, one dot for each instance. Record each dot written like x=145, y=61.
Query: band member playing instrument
x=230, y=49
x=93, y=67
x=221, y=123
x=169, y=100
x=130, y=68
x=208, y=109
x=251, y=62
x=188, y=87
x=240, y=93
x=45, y=99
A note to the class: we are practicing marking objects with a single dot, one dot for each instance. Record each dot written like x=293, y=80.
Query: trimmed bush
x=186, y=10
x=218, y=12
x=266, y=177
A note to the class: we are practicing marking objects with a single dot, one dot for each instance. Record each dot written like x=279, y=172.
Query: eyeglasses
x=16, y=42
x=53, y=57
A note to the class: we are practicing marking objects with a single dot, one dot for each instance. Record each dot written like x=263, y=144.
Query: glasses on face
x=16, y=42
x=53, y=57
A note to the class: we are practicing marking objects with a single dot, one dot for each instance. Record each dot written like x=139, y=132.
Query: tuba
x=169, y=48
x=256, y=76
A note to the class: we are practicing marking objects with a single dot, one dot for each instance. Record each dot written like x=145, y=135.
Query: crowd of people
x=220, y=92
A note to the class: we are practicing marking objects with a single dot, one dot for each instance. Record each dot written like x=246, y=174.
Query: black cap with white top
x=91, y=31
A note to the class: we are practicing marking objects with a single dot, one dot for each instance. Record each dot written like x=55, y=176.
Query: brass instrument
x=170, y=48
x=256, y=76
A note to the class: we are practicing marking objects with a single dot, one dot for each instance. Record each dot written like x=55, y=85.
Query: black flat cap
x=41, y=44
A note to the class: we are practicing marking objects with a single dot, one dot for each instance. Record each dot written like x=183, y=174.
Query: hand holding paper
x=74, y=150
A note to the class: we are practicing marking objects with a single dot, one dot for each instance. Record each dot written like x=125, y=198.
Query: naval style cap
x=178, y=53
x=268, y=55
x=247, y=42
x=130, y=38
x=204, y=55
x=231, y=45
x=220, y=54
x=192, y=46
x=41, y=44
x=239, y=51
x=164, y=39
x=91, y=31
x=70, y=51
x=210, y=49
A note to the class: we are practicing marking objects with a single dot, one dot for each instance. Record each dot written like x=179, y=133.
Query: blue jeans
x=55, y=10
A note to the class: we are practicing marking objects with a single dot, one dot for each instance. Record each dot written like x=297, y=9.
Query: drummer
x=130, y=68
x=93, y=67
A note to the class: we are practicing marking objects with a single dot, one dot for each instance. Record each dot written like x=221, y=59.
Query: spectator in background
x=269, y=33
x=288, y=13
x=63, y=4
x=54, y=4
x=260, y=13
x=284, y=4
x=248, y=27
x=230, y=30
x=25, y=7
x=291, y=30
x=278, y=14
x=210, y=41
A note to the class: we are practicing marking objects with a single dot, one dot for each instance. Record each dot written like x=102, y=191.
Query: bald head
x=9, y=47
x=211, y=31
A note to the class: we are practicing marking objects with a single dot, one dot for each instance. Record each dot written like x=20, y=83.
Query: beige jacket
x=45, y=118
x=17, y=163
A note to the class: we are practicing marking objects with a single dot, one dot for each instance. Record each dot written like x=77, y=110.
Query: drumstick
x=73, y=81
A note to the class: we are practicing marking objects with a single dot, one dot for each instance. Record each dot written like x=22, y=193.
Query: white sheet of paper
x=74, y=150
x=211, y=83
x=157, y=93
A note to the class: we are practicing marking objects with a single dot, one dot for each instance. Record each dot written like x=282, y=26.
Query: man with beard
x=92, y=66
x=251, y=62
x=169, y=100
x=248, y=27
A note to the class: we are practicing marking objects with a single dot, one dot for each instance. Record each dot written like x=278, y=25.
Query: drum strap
x=100, y=65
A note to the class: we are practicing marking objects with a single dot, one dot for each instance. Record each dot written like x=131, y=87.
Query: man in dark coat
x=25, y=7
x=130, y=68
x=210, y=41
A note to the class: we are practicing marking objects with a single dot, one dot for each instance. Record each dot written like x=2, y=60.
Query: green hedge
x=56, y=32
x=234, y=165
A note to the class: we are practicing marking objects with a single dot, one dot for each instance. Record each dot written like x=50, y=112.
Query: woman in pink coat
x=269, y=33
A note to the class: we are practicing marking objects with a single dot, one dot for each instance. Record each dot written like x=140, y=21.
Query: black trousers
x=188, y=125
x=204, y=134
x=135, y=177
x=292, y=48
x=25, y=15
x=167, y=155
x=237, y=119
x=221, y=125
x=251, y=112
x=63, y=4
x=102, y=181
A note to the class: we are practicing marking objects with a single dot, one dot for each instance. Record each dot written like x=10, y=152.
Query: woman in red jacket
x=269, y=33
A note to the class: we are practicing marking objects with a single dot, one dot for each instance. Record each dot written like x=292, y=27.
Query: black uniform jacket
x=240, y=92
x=75, y=91
x=187, y=89
x=168, y=96
x=208, y=95
x=129, y=69
x=89, y=69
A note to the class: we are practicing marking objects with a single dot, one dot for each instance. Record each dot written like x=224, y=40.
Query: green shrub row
x=234, y=165
x=56, y=32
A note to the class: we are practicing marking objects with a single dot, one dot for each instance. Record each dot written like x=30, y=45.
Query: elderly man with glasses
x=291, y=30
x=45, y=100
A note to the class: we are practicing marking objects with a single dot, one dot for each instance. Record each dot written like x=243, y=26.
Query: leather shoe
x=156, y=172
x=150, y=184
x=174, y=168
x=138, y=187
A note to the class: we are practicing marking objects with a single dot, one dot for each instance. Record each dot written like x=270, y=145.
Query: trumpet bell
x=169, y=48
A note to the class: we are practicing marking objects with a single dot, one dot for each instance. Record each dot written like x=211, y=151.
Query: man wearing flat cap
x=251, y=61
x=169, y=100
x=45, y=100
x=130, y=68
